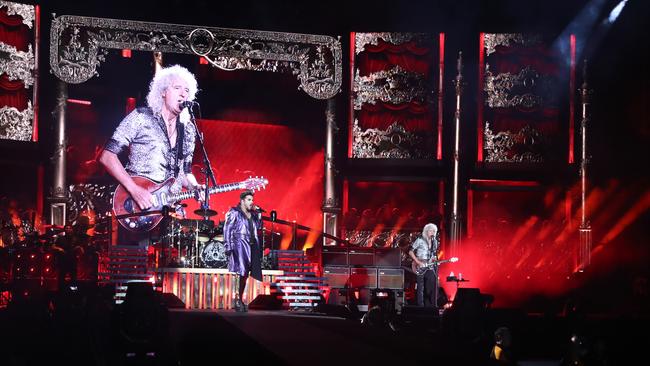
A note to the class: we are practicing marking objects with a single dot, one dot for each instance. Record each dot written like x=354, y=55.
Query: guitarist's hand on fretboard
x=200, y=192
x=142, y=197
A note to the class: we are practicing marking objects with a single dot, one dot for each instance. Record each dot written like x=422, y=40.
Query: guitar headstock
x=258, y=183
x=453, y=259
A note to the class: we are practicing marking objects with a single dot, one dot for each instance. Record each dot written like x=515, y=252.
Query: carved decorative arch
x=79, y=44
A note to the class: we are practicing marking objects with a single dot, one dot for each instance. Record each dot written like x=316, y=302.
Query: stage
x=210, y=288
x=196, y=337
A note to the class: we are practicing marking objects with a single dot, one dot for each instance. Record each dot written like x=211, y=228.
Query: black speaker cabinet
x=336, y=277
x=392, y=278
x=335, y=256
x=361, y=257
x=388, y=257
x=172, y=301
x=363, y=277
x=266, y=302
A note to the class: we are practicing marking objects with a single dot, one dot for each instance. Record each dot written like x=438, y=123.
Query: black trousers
x=427, y=289
x=67, y=265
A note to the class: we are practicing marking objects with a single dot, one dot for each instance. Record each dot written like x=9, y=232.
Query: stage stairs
x=300, y=288
x=123, y=264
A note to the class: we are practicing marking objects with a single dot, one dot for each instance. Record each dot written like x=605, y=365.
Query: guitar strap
x=180, y=137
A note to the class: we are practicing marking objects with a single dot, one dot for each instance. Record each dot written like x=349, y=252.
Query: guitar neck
x=216, y=189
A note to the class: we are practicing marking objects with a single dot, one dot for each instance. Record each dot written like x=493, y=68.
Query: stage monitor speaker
x=363, y=277
x=139, y=291
x=335, y=257
x=468, y=298
x=421, y=316
x=466, y=314
x=388, y=257
x=172, y=301
x=336, y=277
x=266, y=302
x=361, y=257
x=392, y=278
x=338, y=296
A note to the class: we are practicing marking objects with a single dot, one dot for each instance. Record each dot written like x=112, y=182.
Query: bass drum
x=214, y=255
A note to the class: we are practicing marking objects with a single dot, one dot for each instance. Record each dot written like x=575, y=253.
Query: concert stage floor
x=35, y=334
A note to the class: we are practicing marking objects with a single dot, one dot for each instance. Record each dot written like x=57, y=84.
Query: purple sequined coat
x=237, y=240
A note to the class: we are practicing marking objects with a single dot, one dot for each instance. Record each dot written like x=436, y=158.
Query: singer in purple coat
x=242, y=244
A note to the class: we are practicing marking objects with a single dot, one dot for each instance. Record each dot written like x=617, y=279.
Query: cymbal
x=53, y=227
x=205, y=212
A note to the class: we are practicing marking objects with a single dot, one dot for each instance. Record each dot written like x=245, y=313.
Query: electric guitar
x=132, y=218
x=419, y=270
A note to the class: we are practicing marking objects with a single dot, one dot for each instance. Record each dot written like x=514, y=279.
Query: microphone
x=186, y=104
x=258, y=208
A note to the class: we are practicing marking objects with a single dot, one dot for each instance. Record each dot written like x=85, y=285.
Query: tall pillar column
x=584, y=251
x=455, y=230
x=331, y=203
x=59, y=192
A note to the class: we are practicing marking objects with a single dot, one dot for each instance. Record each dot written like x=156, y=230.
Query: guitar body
x=123, y=204
x=420, y=270
x=132, y=218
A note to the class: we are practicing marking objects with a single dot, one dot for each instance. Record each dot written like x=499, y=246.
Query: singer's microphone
x=187, y=103
x=258, y=208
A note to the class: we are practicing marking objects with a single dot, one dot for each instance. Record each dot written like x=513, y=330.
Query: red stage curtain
x=14, y=33
x=545, y=117
x=411, y=56
x=385, y=56
x=413, y=116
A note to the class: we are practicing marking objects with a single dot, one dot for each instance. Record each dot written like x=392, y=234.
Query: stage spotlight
x=613, y=15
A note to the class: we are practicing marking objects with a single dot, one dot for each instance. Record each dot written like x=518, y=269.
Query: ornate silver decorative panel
x=89, y=197
x=15, y=124
x=363, y=39
x=526, y=89
x=383, y=239
x=393, y=143
x=508, y=147
x=394, y=86
x=79, y=44
x=18, y=65
x=24, y=11
x=492, y=40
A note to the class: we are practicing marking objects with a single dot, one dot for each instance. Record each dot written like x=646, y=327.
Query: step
x=297, y=284
x=290, y=273
x=300, y=297
x=300, y=291
x=283, y=251
x=303, y=304
x=125, y=263
x=125, y=270
x=295, y=267
x=294, y=260
x=297, y=278
x=116, y=281
x=126, y=275
x=126, y=258
x=133, y=248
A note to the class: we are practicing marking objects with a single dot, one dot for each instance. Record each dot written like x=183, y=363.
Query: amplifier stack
x=362, y=270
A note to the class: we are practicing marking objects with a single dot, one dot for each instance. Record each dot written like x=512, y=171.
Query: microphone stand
x=209, y=173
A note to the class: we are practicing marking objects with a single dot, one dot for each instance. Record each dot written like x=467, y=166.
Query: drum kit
x=196, y=243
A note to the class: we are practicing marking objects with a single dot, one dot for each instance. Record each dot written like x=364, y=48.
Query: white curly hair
x=163, y=79
x=427, y=227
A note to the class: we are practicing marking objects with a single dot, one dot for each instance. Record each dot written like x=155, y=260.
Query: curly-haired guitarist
x=423, y=250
